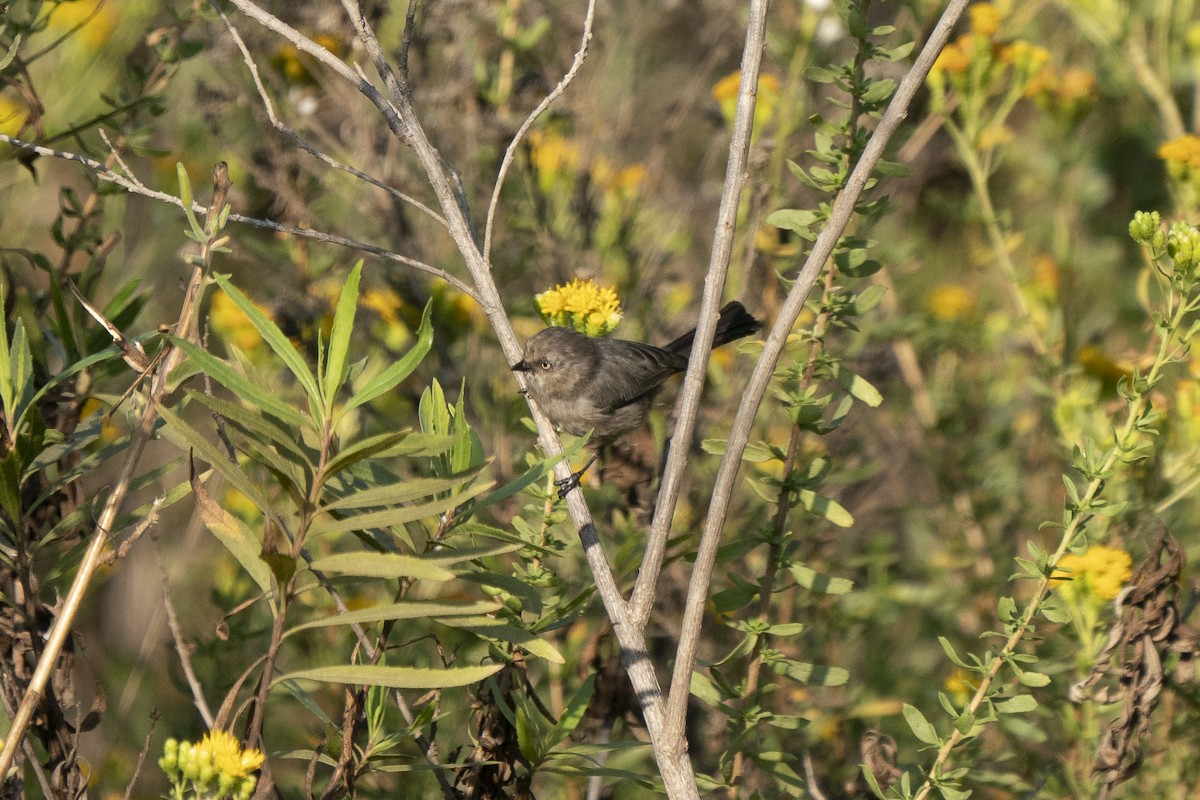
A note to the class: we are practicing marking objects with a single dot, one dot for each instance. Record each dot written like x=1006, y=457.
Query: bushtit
x=606, y=385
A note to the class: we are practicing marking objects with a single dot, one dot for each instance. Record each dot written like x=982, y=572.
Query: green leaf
x=389, y=517
x=817, y=582
x=388, y=379
x=185, y=195
x=920, y=726
x=240, y=385
x=394, y=677
x=793, y=219
x=381, y=565
x=234, y=534
x=391, y=494
x=573, y=714
x=528, y=740
x=260, y=427
x=811, y=674
x=505, y=632
x=339, y=336
x=365, y=448
x=825, y=507
x=533, y=475
x=1020, y=704
x=275, y=339
x=188, y=437
x=860, y=388
x=411, y=609
x=1034, y=680
x=950, y=652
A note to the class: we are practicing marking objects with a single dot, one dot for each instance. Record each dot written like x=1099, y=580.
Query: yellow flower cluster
x=555, y=158
x=725, y=92
x=581, y=305
x=1182, y=157
x=979, y=62
x=215, y=768
x=1101, y=573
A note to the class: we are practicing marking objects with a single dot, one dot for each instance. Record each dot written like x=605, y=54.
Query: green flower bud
x=1144, y=225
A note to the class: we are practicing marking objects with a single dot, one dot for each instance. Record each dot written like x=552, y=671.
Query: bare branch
x=843, y=210
x=181, y=646
x=510, y=152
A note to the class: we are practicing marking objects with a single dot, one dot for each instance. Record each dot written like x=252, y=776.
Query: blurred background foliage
x=1015, y=307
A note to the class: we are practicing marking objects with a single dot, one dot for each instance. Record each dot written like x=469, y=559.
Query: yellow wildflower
x=552, y=153
x=725, y=92
x=232, y=325
x=1100, y=572
x=959, y=686
x=1075, y=85
x=1097, y=363
x=1027, y=59
x=581, y=305
x=955, y=57
x=228, y=756
x=985, y=19
x=1184, y=151
x=12, y=116
x=949, y=301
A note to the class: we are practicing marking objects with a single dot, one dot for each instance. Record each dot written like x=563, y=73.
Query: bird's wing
x=631, y=370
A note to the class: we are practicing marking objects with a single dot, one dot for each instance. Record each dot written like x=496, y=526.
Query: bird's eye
x=545, y=364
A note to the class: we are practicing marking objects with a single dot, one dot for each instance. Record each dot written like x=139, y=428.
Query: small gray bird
x=607, y=385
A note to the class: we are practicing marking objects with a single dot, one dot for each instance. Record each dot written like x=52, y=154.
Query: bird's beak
x=522, y=366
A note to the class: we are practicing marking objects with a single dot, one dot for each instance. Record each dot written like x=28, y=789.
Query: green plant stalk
x=1078, y=520
x=979, y=172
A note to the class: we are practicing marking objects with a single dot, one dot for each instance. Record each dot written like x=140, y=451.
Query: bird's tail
x=734, y=323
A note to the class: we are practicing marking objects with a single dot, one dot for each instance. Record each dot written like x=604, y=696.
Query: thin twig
x=843, y=210
x=511, y=151
x=137, y=768
x=181, y=646
x=134, y=186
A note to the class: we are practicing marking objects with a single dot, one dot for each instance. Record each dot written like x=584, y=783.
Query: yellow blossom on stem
x=1101, y=572
x=581, y=305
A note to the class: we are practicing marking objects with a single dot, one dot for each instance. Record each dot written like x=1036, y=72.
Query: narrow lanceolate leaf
x=240, y=385
x=532, y=476
x=573, y=714
x=413, y=609
x=231, y=532
x=496, y=629
x=394, y=677
x=188, y=437
x=401, y=492
x=389, y=517
x=365, y=448
x=275, y=339
x=339, y=336
x=382, y=565
x=254, y=422
x=388, y=379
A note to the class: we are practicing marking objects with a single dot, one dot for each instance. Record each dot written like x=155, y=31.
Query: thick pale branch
x=843, y=210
